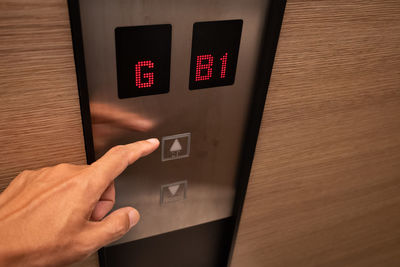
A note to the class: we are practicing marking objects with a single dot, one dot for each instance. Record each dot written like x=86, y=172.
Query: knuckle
x=141, y=147
x=22, y=178
x=76, y=182
x=28, y=175
x=118, y=149
x=120, y=227
x=143, y=143
x=25, y=173
x=63, y=166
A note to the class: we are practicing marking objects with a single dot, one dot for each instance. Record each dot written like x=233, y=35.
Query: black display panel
x=143, y=60
x=215, y=48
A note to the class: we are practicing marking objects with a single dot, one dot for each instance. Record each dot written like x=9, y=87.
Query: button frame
x=164, y=188
x=172, y=137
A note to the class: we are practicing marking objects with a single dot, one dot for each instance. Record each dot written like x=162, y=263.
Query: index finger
x=118, y=158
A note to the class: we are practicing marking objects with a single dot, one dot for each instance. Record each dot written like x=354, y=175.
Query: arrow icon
x=175, y=148
x=173, y=189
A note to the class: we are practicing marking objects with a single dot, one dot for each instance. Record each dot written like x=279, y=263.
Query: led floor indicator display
x=143, y=60
x=215, y=49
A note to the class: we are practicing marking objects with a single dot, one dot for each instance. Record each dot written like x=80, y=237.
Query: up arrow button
x=175, y=147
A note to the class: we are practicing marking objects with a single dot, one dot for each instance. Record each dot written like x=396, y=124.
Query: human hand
x=55, y=216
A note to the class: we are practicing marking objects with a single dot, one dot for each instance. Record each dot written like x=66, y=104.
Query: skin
x=57, y=215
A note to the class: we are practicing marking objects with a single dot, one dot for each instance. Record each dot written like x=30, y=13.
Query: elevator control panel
x=186, y=72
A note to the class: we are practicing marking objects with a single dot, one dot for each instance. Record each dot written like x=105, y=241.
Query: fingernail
x=133, y=217
x=153, y=141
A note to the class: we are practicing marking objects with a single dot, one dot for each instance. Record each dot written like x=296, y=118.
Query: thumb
x=115, y=225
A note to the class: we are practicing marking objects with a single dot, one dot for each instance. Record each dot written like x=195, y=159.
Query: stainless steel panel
x=215, y=117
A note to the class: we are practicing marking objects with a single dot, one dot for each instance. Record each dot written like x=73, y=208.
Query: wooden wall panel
x=40, y=122
x=325, y=183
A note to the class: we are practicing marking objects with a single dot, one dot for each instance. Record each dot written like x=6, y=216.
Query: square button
x=173, y=192
x=175, y=147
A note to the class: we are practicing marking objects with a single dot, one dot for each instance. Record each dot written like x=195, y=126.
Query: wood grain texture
x=40, y=122
x=325, y=183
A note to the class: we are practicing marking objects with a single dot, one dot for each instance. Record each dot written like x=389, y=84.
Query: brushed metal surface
x=215, y=117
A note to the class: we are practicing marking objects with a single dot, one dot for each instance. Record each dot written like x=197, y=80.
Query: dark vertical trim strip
x=261, y=83
x=79, y=56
